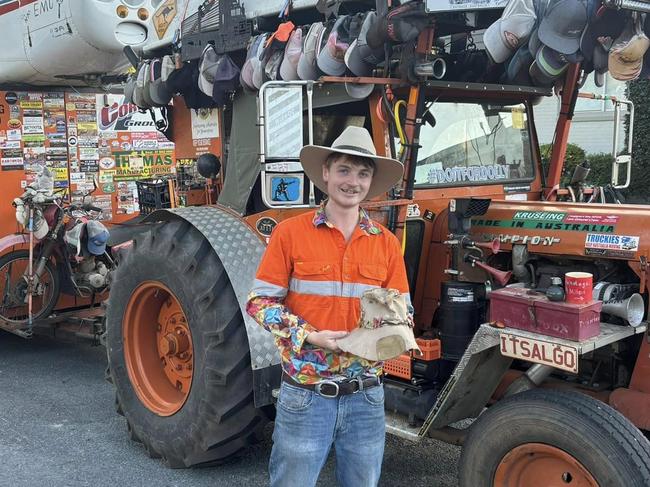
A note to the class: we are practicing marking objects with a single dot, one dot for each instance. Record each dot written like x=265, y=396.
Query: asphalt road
x=58, y=428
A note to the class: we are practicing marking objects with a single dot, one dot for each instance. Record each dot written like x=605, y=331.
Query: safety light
x=122, y=11
x=143, y=14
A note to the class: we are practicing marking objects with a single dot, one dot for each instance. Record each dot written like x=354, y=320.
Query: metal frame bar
x=561, y=136
x=622, y=159
x=627, y=158
x=261, y=121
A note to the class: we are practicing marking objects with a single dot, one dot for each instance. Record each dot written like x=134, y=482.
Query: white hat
x=246, y=75
x=384, y=330
x=333, y=46
x=129, y=87
x=259, y=64
x=355, y=141
x=272, y=67
x=168, y=65
x=359, y=91
x=626, y=54
x=360, y=58
x=146, y=93
x=138, y=90
x=289, y=66
x=158, y=91
x=208, y=69
x=505, y=35
x=307, y=69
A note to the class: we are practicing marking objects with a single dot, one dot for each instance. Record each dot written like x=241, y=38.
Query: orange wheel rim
x=158, y=348
x=540, y=465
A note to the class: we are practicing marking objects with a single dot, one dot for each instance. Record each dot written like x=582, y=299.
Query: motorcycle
x=66, y=253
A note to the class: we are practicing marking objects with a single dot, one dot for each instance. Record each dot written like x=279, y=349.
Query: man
x=306, y=293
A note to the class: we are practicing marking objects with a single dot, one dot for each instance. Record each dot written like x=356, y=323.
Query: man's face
x=347, y=183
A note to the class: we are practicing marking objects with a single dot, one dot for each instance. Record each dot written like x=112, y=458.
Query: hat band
x=354, y=148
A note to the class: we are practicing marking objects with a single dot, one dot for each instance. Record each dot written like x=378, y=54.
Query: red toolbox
x=529, y=310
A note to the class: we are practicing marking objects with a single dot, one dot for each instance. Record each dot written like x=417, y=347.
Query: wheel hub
x=540, y=465
x=158, y=348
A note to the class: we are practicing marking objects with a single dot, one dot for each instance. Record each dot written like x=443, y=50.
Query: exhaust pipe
x=436, y=68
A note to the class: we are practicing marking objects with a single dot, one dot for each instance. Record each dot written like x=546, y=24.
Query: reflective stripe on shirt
x=263, y=288
x=334, y=288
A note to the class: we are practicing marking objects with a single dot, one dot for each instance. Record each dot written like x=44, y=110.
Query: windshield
x=474, y=144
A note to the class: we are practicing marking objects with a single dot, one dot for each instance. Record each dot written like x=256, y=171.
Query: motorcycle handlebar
x=89, y=207
x=38, y=198
x=85, y=207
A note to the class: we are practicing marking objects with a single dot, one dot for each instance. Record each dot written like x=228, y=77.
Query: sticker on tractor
x=163, y=17
x=413, y=211
x=561, y=357
x=553, y=220
x=460, y=174
x=265, y=226
x=522, y=239
x=592, y=219
x=611, y=245
x=449, y=5
x=516, y=197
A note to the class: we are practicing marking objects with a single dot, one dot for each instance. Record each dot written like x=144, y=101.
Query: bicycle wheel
x=13, y=289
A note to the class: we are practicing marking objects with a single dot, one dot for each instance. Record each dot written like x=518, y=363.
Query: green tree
x=639, y=93
x=574, y=155
x=601, y=168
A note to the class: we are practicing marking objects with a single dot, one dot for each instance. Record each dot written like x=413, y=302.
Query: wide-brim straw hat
x=354, y=141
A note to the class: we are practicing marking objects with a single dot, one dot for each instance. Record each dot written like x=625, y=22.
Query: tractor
x=485, y=229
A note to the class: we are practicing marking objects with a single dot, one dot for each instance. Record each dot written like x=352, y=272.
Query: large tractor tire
x=546, y=438
x=178, y=351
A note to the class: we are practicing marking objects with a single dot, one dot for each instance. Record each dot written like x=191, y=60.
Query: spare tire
x=178, y=351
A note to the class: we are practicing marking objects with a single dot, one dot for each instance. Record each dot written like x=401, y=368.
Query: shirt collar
x=365, y=222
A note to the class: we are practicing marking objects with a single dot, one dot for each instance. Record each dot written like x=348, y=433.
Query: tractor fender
x=240, y=251
x=12, y=240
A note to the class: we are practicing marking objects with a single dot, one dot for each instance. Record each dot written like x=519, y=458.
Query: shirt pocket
x=374, y=273
x=314, y=280
x=313, y=269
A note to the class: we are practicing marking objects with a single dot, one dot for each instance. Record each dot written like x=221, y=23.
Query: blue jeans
x=308, y=424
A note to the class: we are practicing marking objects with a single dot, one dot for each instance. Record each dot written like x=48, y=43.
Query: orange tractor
x=485, y=236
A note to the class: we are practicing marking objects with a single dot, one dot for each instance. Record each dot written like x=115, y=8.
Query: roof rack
x=221, y=23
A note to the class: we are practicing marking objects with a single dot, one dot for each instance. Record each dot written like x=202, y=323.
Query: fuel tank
x=581, y=230
x=67, y=42
x=57, y=42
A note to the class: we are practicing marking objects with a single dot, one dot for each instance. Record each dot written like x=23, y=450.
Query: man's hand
x=326, y=339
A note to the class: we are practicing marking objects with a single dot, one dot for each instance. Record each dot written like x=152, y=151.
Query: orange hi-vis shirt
x=323, y=276
x=310, y=279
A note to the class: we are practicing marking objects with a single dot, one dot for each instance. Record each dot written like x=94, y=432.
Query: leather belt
x=333, y=389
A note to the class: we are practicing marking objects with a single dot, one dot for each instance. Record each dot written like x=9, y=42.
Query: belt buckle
x=318, y=386
x=359, y=381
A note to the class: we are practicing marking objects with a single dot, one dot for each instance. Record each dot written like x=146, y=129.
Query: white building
x=593, y=123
